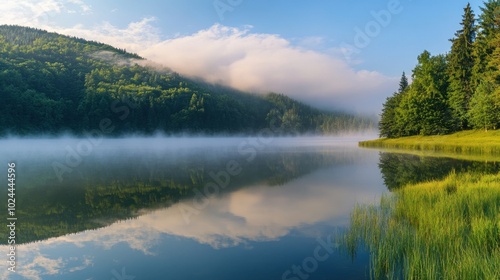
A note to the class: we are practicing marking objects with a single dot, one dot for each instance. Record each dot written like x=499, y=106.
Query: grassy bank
x=447, y=229
x=465, y=142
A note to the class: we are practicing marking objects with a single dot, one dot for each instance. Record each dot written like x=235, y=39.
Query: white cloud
x=39, y=13
x=85, y=9
x=267, y=62
x=28, y=12
x=254, y=62
x=135, y=37
x=43, y=264
x=237, y=57
x=33, y=264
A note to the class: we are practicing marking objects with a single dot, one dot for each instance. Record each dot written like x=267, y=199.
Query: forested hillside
x=453, y=92
x=52, y=84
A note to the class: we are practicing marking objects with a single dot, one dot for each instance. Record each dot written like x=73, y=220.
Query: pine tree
x=460, y=68
x=403, y=83
x=388, y=123
x=488, y=28
x=493, y=71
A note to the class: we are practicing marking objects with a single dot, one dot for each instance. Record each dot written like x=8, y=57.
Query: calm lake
x=196, y=208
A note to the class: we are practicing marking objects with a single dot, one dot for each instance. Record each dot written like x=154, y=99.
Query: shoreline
x=444, y=228
x=470, y=142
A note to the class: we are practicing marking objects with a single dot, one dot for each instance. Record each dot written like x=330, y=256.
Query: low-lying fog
x=12, y=147
x=140, y=196
x=66, y=156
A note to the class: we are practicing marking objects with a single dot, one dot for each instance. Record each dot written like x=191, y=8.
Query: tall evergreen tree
x=403, y=83
x=488, y=28
x=460, y=67
x=493, y=66
x=388, y=123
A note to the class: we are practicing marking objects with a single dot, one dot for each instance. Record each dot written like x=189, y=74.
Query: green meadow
x=446, y=229
x=439, y=229
x=471, y=142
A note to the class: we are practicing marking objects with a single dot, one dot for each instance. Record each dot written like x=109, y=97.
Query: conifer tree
x=403, y=83
x=488, y=28
x=460, y=68
x=388, y=123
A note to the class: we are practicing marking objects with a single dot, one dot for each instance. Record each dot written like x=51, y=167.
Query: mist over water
x=83, y=200
x=43, y=148
x=200, y=207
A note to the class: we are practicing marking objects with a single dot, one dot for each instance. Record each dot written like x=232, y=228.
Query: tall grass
x=448, y=229
x=465, y=142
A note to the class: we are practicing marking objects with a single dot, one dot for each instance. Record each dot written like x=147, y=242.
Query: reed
x=447, y=229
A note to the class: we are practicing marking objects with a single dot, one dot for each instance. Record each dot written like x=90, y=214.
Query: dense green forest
x=453, y=92
x=52, y=84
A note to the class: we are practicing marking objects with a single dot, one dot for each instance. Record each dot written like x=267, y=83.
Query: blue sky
x=331, y=54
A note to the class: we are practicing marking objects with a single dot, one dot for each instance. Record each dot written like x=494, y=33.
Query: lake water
x=196, y=208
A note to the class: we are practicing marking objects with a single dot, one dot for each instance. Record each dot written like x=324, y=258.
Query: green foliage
x=465, y=143
x=288, y=116
x=388, y=126
x=423, y=109
x=484, y=112
x=443, y=229
x=483, y=46
x=403, y=83
x=453, y=93
x=460, y=68
x=51, y=83
x=401, y=169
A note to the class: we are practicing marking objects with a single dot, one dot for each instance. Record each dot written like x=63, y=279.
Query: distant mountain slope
x=50, y=83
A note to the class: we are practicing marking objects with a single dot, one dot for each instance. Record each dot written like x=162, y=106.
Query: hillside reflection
x=124, y=181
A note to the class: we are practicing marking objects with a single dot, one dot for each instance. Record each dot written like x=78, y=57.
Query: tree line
x=453, y=92
x=50, y=84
